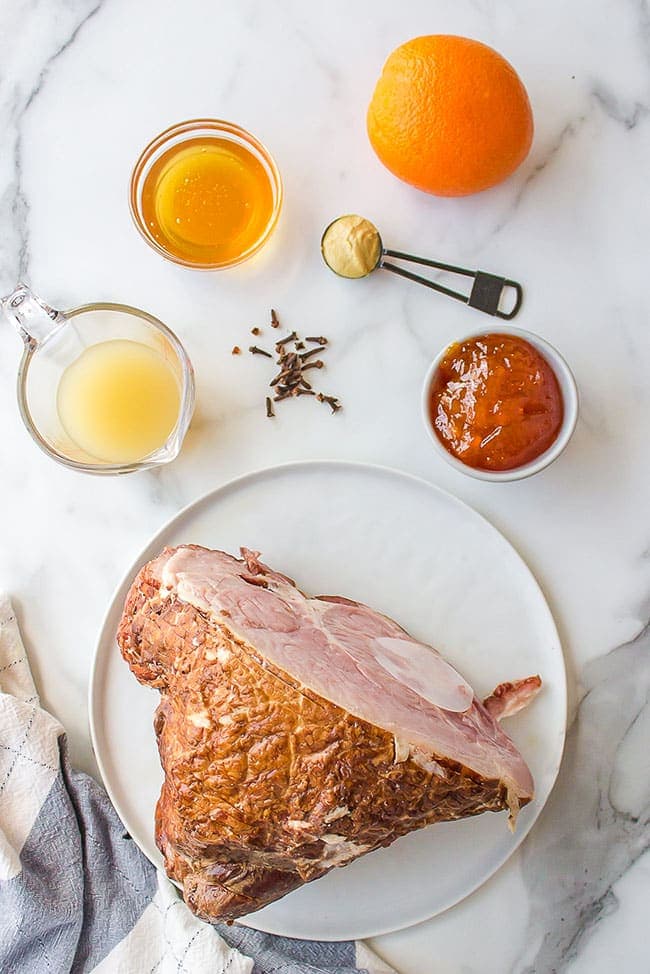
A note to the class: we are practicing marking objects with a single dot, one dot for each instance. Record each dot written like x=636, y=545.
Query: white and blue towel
x=77, y=895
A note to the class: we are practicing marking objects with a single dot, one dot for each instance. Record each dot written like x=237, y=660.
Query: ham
x=509, y=698
x=297, y=733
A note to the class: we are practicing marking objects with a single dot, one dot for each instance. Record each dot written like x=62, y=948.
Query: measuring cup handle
x=34, y=320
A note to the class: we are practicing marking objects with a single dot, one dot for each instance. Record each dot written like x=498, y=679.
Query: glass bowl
x=184, y=132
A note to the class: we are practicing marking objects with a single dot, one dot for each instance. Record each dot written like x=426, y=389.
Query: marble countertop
x=83, y=86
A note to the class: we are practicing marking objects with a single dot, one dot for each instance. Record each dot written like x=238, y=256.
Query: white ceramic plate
x=437, y=567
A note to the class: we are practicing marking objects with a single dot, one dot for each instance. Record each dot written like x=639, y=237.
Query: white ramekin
x=569, y=391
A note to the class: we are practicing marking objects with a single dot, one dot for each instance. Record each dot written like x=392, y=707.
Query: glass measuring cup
x=54, y=340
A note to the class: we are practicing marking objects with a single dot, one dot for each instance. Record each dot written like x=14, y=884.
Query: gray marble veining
x=597, y=821
x=83, y=86
x=32, y=45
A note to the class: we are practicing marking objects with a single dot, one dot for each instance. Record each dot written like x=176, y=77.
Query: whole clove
x=275, y=321
x=313, y=365
x=270, y=412
x=331, y=401
x=318, y=339
x=290, y=359
x=254, y=350
x=312, y=351
x=256, y=331
x=289, y=338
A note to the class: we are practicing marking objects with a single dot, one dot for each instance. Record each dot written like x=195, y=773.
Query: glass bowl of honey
x=206, y=194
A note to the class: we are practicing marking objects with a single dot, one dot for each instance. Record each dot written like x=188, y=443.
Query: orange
x=450, y=115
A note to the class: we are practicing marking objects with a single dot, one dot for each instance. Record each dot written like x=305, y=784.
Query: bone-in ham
x=297, y=733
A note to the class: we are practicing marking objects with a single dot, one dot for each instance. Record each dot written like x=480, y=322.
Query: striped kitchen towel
x=76, y=894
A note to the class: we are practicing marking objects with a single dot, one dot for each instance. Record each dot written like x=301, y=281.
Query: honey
x=119, y=401
x=207, y=200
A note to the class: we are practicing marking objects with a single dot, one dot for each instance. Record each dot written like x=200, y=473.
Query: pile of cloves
x=294, y=359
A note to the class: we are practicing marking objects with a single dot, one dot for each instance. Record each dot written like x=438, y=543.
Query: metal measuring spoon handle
x=487, y=289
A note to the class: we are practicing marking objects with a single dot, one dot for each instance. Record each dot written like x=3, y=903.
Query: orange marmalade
x=495, y=402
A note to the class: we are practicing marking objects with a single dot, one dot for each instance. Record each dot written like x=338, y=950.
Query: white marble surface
x=83, y=86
